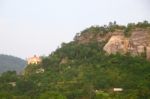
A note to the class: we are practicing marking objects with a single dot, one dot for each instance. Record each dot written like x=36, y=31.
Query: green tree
x=52, y=95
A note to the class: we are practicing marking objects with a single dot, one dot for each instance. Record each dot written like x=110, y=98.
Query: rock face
x=148, y=53
x=137, y=44
x=88, y=37
x=117, y=44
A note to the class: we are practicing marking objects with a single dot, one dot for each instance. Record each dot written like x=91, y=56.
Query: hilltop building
x=34, y=60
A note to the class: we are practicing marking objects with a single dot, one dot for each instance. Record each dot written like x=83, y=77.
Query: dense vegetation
x=112, y=26
x=8, y=62
x=80, y=71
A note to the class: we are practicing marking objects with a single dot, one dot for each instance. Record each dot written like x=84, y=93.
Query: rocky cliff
x=136, y=44
x=133, y=38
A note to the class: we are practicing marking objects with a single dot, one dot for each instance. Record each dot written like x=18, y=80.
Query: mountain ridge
x=82, y=69
x=11, y=63
x=133, y=38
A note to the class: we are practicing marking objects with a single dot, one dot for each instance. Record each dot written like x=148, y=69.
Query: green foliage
x=129, y=29
x=88, y=69
x=112, y=27
x=25, y=85
x=52, y=95
x=76, y=71
x=9, y=76
x=143, y=24
x=102, y=30
x=131, y=26
x=102, y=95
x=5, y=95
x=95, y=30
x=31, y=69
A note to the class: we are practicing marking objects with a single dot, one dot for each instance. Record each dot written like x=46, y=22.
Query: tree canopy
x=81, y=71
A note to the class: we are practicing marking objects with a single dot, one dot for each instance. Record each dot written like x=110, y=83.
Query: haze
x=29, y=27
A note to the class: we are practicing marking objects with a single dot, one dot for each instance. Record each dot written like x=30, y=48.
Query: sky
x=29, y=27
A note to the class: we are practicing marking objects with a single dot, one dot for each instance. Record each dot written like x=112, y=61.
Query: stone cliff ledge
x=137, y=44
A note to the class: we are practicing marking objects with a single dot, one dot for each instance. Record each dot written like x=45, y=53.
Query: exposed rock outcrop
x=117, y=44
x=137, y=44
x=148, y=52
x=140, y=49
x=64, y=60
x=88, y=37
x=140, y=37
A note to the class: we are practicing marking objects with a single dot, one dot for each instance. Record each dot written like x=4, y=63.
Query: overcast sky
x=29, y=27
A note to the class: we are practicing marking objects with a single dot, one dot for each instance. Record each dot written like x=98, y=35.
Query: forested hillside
x=81, y=69
x=8, y=62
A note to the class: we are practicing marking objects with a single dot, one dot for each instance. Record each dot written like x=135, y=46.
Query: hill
x=10, y=63
x=83, y=69
x=133, y=39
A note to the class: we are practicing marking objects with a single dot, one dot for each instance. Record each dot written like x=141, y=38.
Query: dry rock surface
x=137, y=44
